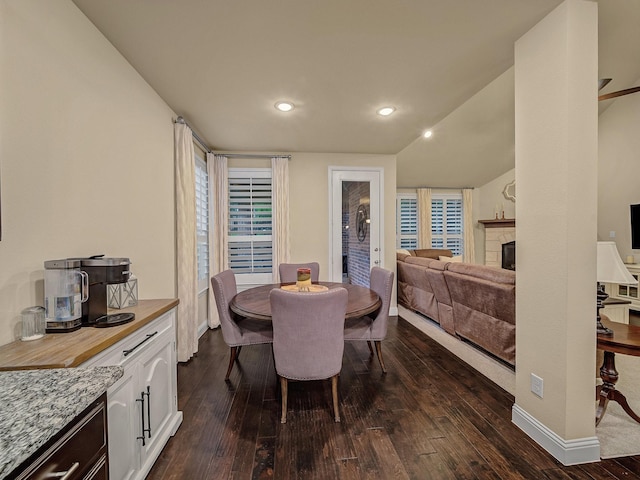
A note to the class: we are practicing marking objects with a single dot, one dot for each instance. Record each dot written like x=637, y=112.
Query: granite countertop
x=37, y=404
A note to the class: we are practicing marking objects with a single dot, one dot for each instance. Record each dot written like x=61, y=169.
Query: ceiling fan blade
x=603, y=83
x=619, y=93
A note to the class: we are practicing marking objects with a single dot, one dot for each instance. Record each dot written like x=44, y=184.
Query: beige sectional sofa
x=474, y=302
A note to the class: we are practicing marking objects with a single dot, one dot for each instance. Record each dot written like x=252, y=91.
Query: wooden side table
x=625, y=340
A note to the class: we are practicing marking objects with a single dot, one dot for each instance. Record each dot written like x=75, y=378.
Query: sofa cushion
x=455, y=258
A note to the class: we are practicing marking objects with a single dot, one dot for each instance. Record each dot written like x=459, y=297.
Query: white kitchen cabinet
x=142, y=406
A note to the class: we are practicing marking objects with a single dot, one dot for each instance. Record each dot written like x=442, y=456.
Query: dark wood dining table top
x=254, y=302
x=625, y=338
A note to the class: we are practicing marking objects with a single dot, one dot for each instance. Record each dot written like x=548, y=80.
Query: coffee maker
x=103, y=271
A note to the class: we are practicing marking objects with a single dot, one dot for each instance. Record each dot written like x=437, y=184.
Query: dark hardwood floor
x=431, y=417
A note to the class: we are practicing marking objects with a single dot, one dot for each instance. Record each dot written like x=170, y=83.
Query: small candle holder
x=304, y=279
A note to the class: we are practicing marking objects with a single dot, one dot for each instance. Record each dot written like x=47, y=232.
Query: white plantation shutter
x=407, y=221
x=447, y=222
x=250, y=224
x=202, y=223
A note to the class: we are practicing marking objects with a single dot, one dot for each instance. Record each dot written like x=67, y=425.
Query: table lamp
x=610, y=269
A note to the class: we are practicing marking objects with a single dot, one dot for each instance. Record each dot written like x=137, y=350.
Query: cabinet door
x=125, y=425
x=156, y=371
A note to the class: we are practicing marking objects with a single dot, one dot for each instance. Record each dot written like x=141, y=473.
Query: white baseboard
x=567, y=452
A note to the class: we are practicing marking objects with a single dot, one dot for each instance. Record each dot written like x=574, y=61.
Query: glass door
x=356, y=224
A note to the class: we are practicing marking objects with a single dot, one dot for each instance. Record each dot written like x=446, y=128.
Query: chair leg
x=379, y=350
x=284, y=392
x=232, y=358
x=370, y=348
x=334, y=391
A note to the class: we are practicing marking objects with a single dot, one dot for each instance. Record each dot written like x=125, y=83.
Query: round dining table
x=254, y=302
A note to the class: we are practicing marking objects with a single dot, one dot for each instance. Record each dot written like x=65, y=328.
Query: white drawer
x=135, y=344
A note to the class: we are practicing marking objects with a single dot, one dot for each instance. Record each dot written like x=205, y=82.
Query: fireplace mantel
x=498, y=223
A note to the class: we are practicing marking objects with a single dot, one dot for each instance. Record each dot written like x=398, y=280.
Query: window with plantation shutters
x=407, y=221
x=202, y=223
x=250, y=224
x=446, y=222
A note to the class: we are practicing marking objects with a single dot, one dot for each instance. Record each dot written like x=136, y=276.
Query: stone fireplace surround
x=497, y=232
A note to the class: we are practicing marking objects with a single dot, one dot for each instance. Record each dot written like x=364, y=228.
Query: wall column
x=556, y=71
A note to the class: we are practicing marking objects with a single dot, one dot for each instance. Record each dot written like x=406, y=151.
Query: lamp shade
x=610, y=266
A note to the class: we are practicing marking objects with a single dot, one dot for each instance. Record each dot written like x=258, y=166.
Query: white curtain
x=280, y=209
x=187, y=265
x=469, y=251
x=424, y=218
x=218, y=221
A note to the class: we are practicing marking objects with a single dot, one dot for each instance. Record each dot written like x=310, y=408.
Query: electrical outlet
x=612, y=234
x=537, y=385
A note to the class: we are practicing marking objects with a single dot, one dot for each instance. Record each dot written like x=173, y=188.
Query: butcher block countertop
x=62, y=350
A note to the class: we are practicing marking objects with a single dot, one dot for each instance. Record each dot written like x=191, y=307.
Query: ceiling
x=444, y=65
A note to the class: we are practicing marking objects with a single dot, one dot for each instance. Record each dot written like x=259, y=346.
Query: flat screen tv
x=635, y=227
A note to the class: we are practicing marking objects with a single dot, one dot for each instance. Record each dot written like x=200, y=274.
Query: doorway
x=355, y=243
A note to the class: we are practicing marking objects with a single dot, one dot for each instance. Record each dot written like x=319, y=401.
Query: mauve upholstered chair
x=289, y=271
x=366, y=328
x=236, y=331
x=308, y=339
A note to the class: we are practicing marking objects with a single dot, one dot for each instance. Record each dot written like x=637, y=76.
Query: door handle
x=141, y=399
x=148, y=410
x=147, y=338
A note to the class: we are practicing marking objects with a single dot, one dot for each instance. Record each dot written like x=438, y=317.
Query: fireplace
x=509, y=255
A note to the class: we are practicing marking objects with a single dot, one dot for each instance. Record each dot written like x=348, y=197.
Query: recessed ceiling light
x=284, y=106
x=386, y=111
x=427, y=134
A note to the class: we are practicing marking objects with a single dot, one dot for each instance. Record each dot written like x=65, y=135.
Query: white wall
x=556, y=175
x=489, y=197
x=87, y=156
x=619, y=171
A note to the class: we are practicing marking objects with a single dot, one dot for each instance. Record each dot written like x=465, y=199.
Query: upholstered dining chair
x=289, y=271
x=236, y=331
x=308, y=340
x=373, y=329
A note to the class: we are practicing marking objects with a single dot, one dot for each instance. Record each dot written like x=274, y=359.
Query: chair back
x=224, y=289
x=382, y=283
x=289, y=271
x=308, y=333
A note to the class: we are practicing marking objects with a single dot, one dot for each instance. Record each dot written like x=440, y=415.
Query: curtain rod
x=206, y=148
x=242, y=155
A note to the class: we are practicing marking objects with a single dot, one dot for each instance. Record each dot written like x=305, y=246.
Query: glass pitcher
x=65, y=288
